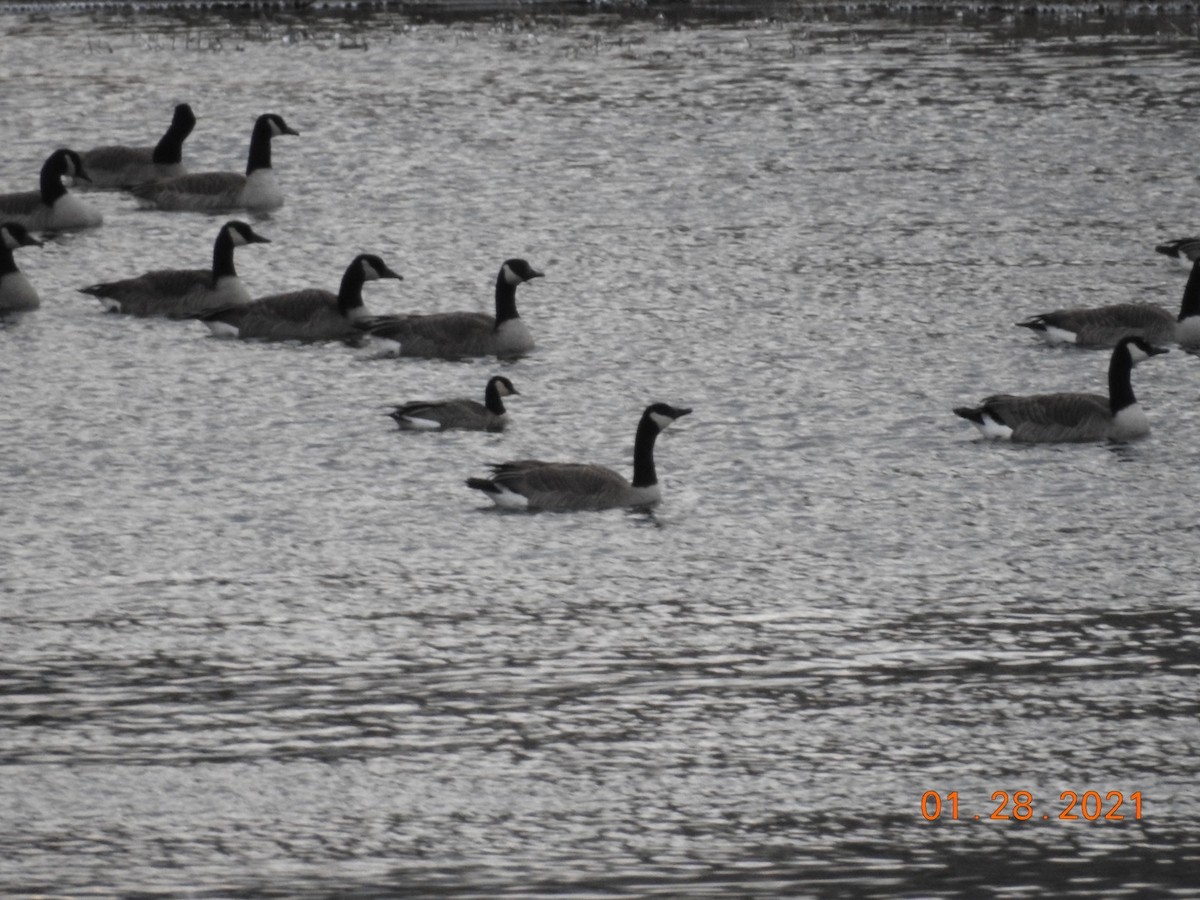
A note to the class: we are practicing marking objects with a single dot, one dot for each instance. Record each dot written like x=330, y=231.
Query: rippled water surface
x=256, y=642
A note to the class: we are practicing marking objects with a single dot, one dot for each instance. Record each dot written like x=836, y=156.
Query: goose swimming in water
x=119, y=166
x=533, y=484
x=1103, y=326
x=1065, y=417
x=1185, y=250
x=183, y=293
x=463, y=334
x=306, y=315
x=16, y=293
x=257, y=190
x=52, y=207
x=464, y=413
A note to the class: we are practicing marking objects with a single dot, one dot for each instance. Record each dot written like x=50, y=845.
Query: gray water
x=256, y=642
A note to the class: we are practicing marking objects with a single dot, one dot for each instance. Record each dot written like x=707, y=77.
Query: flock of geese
x=157, y=177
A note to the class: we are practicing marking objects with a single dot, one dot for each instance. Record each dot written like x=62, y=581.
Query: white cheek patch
x=9, y=241
x=510, y=276
x=663, y=422
x=238, y=239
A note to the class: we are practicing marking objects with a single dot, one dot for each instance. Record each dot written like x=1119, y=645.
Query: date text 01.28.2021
x=1019, y=805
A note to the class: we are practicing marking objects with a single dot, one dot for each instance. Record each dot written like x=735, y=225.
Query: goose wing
x=459, y=413
x=22, y=203
x=437, y=334
x=163, y=292
x=1104, y=326
x=550, y=485
x=307, y=315
x=1052, y=417
x=202, y=190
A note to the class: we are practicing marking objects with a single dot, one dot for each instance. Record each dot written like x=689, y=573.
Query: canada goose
x=306, y=315
x=183, y=292
x=1053, y=418
x=119, y=166
x=1185, y=250
x=459, y=334
x=533, y=484
x=257, y=190
x=463, y=413
x=1103, y=326
x=52, y=207
x=16, y=293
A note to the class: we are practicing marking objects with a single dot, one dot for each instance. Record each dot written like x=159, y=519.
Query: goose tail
x=970, y=413
x=483, y=484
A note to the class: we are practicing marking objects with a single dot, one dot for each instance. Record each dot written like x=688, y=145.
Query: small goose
x=257, y=190
x=1103, y=326
x=306, y=315
x=183, y=293
x=121, y=167
x=1054, y=418
x=436, y=415
x=52, y=207
x=533, y=484
x=1185, y=250
x=16, y=293
x=459, y=334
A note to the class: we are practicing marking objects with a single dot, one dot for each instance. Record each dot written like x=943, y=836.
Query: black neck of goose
x=1120, y=387
x=350, y=292
x=1191, y=294
x=7, y=263
x=643, y=453
x=506, y=300
x=52, y=185
x=260, y=148
x=222, y=256
x=169, y=149
x=492, y=399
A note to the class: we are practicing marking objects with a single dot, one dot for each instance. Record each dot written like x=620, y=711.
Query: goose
x=533, y=484
x=52, y=207
x=1103, y=326
x=181, y=293
x=257, y=190
x=117, y=166
x=1185, y=250
x=1054, y=418
x=459, y=334
x=16, y=293
x=306, y=315
x=434, y=415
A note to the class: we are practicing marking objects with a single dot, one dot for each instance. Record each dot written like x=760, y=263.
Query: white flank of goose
x=183, y=293
x=1184, y=250
x=16, y=293
x=533, y=484
x=306, y=315
x=118, y=166
x=462, y=334
x=464, y=413
x=257, y=190
x=1103, y=326
x=52, y=207
x=1057, y=418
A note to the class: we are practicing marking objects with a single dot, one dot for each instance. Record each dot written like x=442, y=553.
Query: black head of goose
x=120, y=166
x=16, y=293
x=257, y=190
x=534, y=484
x=1184, y=250
x=457, y=335
x=183, y=293
x=1069, y=417
x=52, y=207
x=307, y=315
x=462, y=413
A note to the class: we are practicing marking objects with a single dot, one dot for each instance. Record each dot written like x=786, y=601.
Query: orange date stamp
x=1089, y=806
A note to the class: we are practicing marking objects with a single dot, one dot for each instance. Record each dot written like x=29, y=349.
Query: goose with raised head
x=257, y=190
x=1067, y=417
x=306, y=315
x=455, y=335
x=17, y=295
x=120, y=166
x=1184, y=250
x=183, y=293
x=533, y=484
x=1103, y=326
x=52, y=207
x=464, y=413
